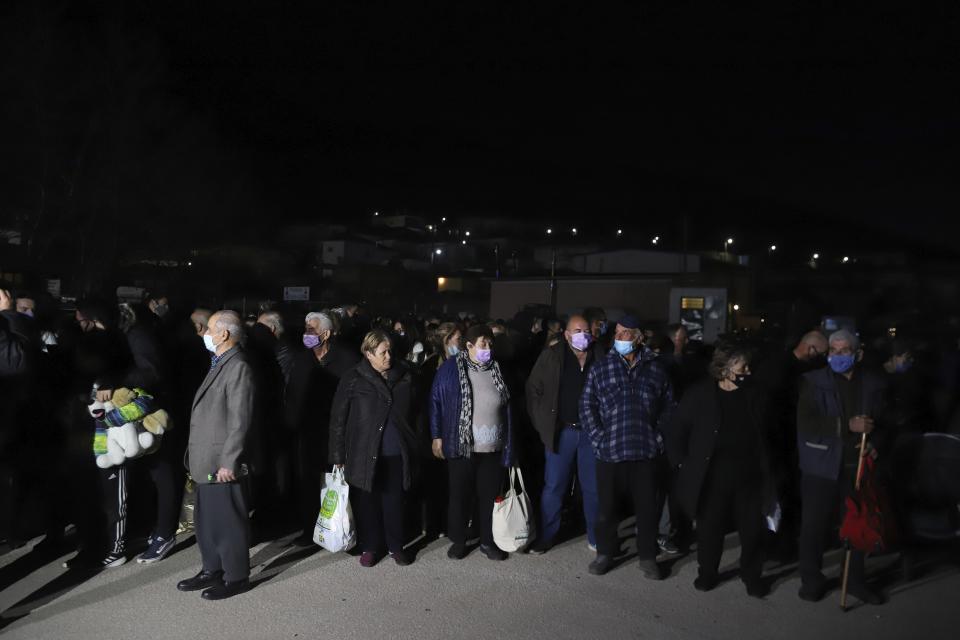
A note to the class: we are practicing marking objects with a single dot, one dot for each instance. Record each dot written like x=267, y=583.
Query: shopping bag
x=187, y=506
x=513, y=525
x=335, y=529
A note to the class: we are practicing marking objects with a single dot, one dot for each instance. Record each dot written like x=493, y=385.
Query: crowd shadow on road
x=66, y=582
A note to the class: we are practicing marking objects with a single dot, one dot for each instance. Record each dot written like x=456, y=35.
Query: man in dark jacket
x=553, y=402
x=626, y=402
x=17, y=355
x=837, y=404
x=314, y=376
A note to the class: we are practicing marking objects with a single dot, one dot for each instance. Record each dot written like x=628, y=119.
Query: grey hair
x=845, y=336
x=326, y=323
x=230, y=320
x=273, y=320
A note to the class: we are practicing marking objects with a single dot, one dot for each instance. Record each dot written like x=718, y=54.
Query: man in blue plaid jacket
x=626, y=402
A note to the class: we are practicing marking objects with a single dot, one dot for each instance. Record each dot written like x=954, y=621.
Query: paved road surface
x=306, y=593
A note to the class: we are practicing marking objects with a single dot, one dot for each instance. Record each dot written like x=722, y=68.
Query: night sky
x=770, y=120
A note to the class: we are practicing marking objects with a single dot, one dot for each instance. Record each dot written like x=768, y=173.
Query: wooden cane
x=846, y=560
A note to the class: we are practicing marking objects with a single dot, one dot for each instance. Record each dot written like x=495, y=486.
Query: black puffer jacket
x=363, y=403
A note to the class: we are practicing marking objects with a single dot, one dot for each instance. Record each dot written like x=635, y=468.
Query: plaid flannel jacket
x=623, y=409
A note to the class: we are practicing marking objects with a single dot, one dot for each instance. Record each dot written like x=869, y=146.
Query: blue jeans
x=573, y=448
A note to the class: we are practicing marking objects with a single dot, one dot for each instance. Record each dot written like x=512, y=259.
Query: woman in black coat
x=372, y=437
x=717, y=438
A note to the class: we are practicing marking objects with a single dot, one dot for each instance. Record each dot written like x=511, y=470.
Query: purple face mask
x=580, y=341
x=484, y=355
x=311, y=341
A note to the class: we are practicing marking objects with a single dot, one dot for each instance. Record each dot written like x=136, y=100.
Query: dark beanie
x=476, y=331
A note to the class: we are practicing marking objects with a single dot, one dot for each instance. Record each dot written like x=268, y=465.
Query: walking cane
x=846, y=559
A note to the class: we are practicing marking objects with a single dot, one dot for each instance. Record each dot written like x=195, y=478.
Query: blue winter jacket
x=445, y=413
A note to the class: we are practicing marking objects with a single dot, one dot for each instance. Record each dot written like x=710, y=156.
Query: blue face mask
x=624, y=347
x=903, y=367
x=453, y=350
x=841, y=363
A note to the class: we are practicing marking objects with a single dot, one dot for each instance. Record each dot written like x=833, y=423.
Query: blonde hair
x=373, y=340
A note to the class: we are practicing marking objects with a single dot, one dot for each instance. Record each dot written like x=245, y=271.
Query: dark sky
x=746, y=116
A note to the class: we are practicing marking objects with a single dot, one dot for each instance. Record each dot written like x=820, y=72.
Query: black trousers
x=637, y=479
x=223, y=529
x=474, y=481
x=379, y=512
x=168, y=479
x=823, y=510
x=114, y=489
x=730, y=495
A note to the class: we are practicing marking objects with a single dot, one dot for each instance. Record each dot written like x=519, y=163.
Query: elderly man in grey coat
x=219, y=428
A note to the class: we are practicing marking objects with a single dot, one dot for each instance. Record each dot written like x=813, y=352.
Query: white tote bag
x=335, y=531
x=513, y=526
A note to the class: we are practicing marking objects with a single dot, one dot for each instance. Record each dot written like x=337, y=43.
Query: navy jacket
x=820, y=428
x=445, y=413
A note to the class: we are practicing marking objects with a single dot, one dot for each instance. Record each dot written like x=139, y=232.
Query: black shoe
x=812, y=592
x=401, y=558
x=539, y=548
x=226, y=590
x=756, y=588
x=601, y=565
x=493, y=552
x=865, y=594
x=651, y=570
x=202, y=580
x=457, y=551
x=706, y=583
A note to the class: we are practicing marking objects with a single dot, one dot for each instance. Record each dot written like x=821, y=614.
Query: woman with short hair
x=718, y=439
x=372, y=438
x=471, y=428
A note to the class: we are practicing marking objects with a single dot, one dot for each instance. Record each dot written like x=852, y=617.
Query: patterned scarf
x=464, y=365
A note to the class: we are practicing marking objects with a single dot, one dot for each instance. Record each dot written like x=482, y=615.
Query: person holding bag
x=371, y=437
x=470, y=425
x=717, y=437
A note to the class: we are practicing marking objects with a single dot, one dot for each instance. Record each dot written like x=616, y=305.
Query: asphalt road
x=309, y=593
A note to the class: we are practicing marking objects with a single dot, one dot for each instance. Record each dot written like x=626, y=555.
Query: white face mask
x=208, y=343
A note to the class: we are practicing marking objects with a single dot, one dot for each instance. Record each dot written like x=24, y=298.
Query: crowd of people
x=424, y=413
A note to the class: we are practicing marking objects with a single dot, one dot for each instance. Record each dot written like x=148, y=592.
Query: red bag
x=868, y=524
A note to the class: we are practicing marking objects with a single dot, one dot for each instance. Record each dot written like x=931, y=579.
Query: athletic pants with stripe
x=113, y=492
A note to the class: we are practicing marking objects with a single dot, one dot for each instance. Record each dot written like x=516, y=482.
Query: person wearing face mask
x=216, y=456
x=626, y=403
x=837, y=404
x=314, y=375
x=553, y=402
x=470, y=422
x=718, y=440
x=372, y=438
x=910, y=407
x=599, y=326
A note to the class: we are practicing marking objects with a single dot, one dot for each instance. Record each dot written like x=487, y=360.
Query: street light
x=846, y=259
x=736, y=307
x=727, y=243
x=463, y=242
x=549, y=231
x=619, y=232
x=655, y=240
x=439, y=252
x=467, y=234
x=574, y=231
x=443, y=219
x=376, y=213
x=773, y=247
x=816, y=256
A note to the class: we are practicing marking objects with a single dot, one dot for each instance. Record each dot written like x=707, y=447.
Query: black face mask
x=741, y=380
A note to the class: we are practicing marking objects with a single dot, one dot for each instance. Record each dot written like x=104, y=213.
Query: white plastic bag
x=513, y=525
x=335, y=531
